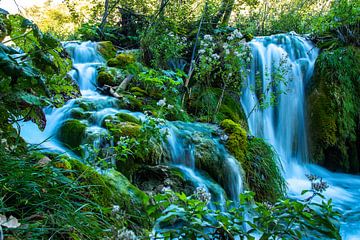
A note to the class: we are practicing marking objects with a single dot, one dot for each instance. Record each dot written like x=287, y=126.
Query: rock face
x=334, y=110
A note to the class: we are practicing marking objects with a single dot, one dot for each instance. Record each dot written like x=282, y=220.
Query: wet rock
x=71, y=133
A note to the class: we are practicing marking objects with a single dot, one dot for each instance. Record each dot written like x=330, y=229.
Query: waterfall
x=182, y=141
x=281, y=67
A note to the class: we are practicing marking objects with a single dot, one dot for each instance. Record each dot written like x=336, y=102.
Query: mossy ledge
x=259, y=161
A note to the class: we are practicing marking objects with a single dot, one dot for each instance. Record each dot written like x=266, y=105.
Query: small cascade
x=193, y=146
x=283, y=124
x=182, y=143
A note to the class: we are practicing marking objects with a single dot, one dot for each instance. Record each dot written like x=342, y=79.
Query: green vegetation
x=334, y=104
x=172, y=61
x=259, y=161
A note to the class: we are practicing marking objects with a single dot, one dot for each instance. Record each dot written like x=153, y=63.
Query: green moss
x=106, y=49
x=139, y=92
x=105, y=78
x=258, y=160
x=121, y=60
x=122, y=129
x=237, y=142
x=262, y=168
x=334, y=110
x=79, y=113
x=125, y=117
x=71, y=133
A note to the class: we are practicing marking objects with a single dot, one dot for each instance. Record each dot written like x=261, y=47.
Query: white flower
x=208, y=37
x=115, y=209
x=215, y=56
x=201, y=51
x=248, y=59
x=166, y=189
x=225, y=46
x=202, y=194
x=11, y=222
x=231, y=37
x=3, y=141
x=169, y=106
x=126, y=234
x=230, y=74
x=227, y=51
x=161, y=102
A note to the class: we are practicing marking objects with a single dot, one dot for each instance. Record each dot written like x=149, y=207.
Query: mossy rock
x=71, y=133
x=125, y=117
x=258, y=160
x=334, y=110
x=79, y=113
x=123, y=129
x=86, y=105
x=121, y=60
x=106, y=49
x=105, y=78
x=237, y=142
x=263, y=171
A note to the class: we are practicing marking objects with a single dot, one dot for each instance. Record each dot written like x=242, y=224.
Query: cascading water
x=181, y=142
x=284, y=124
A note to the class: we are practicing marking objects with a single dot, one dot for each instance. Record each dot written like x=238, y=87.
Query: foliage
x=28, y=74
x=334, y=109
x=189, y=217
x=162, y=45
x=61, y=198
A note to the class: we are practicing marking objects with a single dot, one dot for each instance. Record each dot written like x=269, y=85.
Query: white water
x=284, y=124
x=86, y=60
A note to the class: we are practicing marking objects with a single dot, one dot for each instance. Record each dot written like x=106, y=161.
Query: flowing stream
x=187, y=143
x=283, y=125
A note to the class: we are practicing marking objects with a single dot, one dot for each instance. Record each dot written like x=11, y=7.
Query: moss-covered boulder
x=125, y=117
x=121, y=60
x=263, y=171
x=237, y=141
x=139, y=92
x=258, y=160
x=79, y=113
x=105, y=78
x=106, y=49
x=123, y=129
x=71, y=133
x=334, y=110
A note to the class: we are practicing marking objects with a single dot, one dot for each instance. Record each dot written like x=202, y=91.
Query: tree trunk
x=124, y=83
x=224, y=13
x=105, y=15
x=220, y=100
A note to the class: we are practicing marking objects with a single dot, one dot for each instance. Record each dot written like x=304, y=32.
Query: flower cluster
x=317, y=183
x=126, y=234
x=202, y=194
x=236, y=34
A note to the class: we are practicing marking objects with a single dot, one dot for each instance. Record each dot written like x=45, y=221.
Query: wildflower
x=202, y=194
x=320, y=186
x=225, y=46
x=248, y=59
x=11, y=222
x=115, y=209
x=161, y=103
x=201, y=51
x=208, y=37
x=169, y=106
x=230, y=38
x=3, y=141
x=215, y=56
x=125, y=234
x=227, y=51
x=166, y=189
